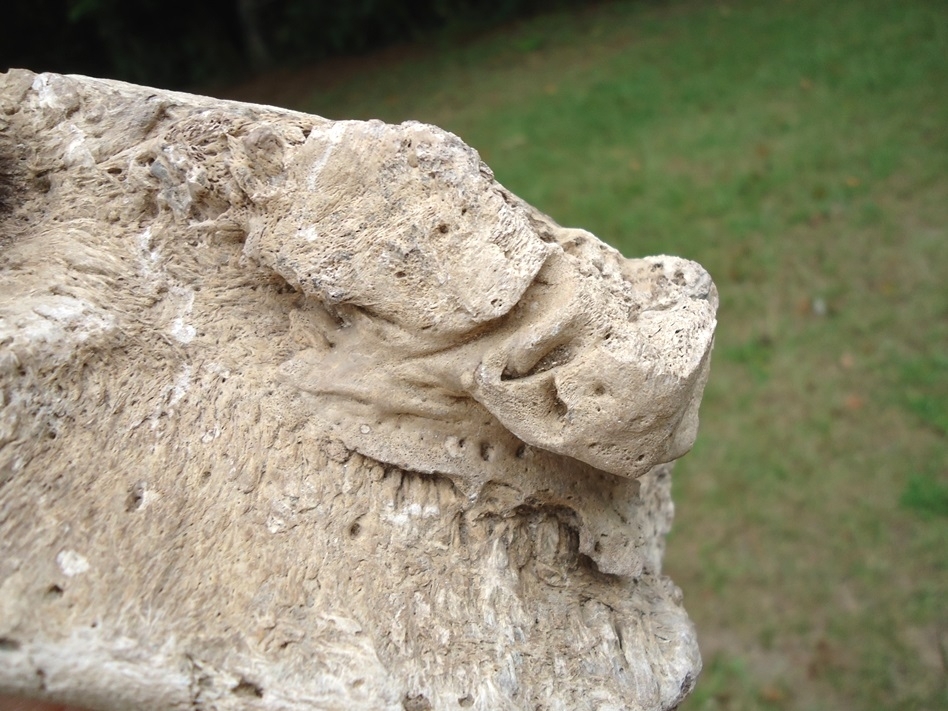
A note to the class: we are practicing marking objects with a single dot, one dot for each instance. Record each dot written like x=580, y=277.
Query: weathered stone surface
x=310, y=414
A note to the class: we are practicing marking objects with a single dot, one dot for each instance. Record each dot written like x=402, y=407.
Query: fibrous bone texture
x=310, y=414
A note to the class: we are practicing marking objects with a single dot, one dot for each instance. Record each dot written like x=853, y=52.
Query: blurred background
x=796, y=148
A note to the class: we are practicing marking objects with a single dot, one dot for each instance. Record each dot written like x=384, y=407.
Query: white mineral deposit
x=302, y=414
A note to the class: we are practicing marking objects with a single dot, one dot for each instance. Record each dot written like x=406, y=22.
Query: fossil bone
x=301, y=413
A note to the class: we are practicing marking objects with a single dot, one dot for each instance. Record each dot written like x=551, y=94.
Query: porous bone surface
x=304, y=414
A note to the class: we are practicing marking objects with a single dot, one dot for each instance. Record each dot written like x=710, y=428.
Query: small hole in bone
x=640, y=458
x=354, y=530
x=556, y=357
x=136, y=494
x=418, y=702
x=54, y=591
x=247, y=688
x=521, y=451
x=487, y=451
x=443, y=228
x=400, y=274
x=599, y=389
x=553, y=358
x=559, y=407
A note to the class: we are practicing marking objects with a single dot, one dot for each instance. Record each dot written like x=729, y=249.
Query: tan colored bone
x=572, y=348
x=312, y=414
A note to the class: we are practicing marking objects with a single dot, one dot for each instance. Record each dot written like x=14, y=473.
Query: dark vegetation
x=181, y=43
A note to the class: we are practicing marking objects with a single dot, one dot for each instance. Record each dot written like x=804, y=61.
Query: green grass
x=799, y=150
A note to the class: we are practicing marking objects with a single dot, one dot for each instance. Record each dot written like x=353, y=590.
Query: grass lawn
x=799, y=150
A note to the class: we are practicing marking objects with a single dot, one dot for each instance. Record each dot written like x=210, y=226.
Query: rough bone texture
x=307, y=414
